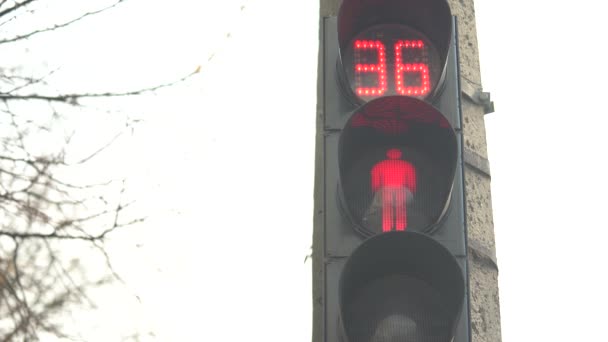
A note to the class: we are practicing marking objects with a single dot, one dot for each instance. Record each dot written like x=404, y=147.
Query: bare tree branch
x=57, y=26
x=15, y=7
x=43, y=211
x=73, y=98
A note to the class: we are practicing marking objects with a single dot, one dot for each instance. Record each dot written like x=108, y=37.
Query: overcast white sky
x=225, y=164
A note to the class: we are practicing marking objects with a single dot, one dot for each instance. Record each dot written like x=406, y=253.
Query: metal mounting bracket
x=477, y=95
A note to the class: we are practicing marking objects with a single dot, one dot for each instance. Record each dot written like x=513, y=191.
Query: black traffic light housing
x=430, y=256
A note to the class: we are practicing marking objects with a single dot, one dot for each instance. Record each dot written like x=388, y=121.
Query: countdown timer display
x=391, y=60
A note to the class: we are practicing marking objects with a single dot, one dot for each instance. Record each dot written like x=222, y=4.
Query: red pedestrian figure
x=394, y=177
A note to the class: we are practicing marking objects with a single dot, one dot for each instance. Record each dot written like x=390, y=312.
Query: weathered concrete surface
x=483, y=269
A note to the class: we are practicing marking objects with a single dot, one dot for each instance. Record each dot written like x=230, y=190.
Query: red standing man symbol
x=395, y=178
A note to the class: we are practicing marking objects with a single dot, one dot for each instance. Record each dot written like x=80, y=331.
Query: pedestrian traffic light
x=389, y=193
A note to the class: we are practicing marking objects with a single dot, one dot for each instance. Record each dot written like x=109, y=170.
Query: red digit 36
x=401, y=87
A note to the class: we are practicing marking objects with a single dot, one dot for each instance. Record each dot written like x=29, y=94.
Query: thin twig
x=58, y=26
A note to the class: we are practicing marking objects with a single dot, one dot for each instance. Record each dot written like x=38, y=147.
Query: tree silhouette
x=44, y=209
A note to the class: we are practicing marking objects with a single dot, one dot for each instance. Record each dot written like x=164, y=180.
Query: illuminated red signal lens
x=395, y=179
x=391, y=60
x=397, y=161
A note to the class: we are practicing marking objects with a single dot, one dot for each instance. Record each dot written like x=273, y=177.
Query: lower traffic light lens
x=397, y=308
x=400, y=286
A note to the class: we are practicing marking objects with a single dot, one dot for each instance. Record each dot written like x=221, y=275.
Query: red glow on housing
x=420, y=68
x=379, y=68
x=396, y=180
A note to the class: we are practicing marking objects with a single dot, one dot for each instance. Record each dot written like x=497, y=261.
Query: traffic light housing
x=389, y=195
